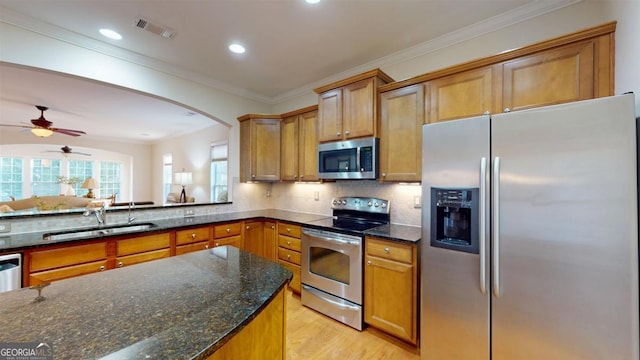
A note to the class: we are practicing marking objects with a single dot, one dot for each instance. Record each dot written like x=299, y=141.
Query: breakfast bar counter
x=182, y=307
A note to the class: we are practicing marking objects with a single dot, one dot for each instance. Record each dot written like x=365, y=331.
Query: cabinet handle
x=507, y=110
x=206, y=246
x=338, y=134
x=248, y=227
x=487, y=112
x=288, y=256
x=301, y=176
x=193, y=236
x=295, y=176
x=288, y=230
x=387, y=250
x=120, y=264
x=384, y=174
x=369, y=262
x=228, y=230
x=253, y=176
x=217, y=244
x=346, y=132
x=273, y=226
x=102, y=268
x=288, y=242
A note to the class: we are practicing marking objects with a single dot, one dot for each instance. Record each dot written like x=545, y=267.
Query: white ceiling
x=291, y=47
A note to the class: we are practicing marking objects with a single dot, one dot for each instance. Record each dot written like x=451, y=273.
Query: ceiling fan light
x=41, y=132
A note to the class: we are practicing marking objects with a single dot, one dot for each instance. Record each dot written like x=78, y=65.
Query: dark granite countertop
x=17, y=242
x=182, y=307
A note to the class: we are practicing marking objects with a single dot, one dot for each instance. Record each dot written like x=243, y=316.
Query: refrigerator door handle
x=483, y=225
x=495, y=230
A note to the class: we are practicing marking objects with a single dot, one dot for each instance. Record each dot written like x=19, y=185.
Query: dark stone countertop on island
x=182, y=307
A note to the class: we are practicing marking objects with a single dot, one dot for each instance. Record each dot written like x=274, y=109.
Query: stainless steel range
x=331, y=265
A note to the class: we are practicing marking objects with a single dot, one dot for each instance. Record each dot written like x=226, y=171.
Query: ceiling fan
x=65, y=150
x=42, y=127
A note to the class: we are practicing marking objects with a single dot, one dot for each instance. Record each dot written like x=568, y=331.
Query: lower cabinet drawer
x=66, y=272
x=143, y=244
x=142, y=257
x=295, y=269
x=190, y=236
x=289, y=255
x=67, y=256
x=183, y=249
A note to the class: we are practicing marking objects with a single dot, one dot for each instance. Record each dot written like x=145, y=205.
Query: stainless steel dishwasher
x=10, y=272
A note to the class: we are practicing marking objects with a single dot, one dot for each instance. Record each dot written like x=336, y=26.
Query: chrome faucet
x=100, y=213
x=131, y=206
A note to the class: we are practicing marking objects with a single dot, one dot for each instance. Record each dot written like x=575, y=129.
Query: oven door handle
x=327, y=237
x=320, y=296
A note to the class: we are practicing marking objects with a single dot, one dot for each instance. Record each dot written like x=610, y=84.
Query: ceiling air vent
x=155, y=28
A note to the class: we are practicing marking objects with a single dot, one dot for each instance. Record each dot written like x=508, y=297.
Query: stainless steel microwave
x=350, y=159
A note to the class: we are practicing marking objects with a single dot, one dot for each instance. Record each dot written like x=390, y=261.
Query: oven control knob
x=383, y=205
x=344, y=202
x=376, y=204
x=369, y=203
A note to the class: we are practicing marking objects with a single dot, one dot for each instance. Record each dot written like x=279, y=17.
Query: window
x=219, y=170
x=110, y=179
x=167, y=170
x=44, y=177
x=80, y=169
x=10, y=178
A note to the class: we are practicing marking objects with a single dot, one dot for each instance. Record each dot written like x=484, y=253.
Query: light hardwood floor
x=311, y=335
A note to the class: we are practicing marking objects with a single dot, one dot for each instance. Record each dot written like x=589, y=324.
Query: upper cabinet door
x=259, y=158
x=550, y=77
x=289, y=148
x=359, y=109
x=401, y=119
x=461, y=95
x=308, y=146
x=330, y=116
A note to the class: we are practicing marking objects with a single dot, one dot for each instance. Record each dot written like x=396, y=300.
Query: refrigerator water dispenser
x=454, y=219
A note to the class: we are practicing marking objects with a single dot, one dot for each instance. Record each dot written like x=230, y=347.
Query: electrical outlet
x=417, y=201
x=267, y=193
x=5, y=227
x=189, y=212
x=316, y=195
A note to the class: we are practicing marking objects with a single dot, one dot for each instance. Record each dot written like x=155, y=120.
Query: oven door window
x=343, y=160
x=330, y=264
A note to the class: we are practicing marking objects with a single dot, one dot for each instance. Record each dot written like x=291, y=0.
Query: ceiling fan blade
x=68, y=131
x=20, y=126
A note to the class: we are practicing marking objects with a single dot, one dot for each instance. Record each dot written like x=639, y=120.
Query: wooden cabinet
x=559, y=75
x=194, y=239
x=270, y=240
x=259, y=147
x=464, y=94
x=289, y=246
x=142, y=248
x=348, y=108
x=59, y=263
x=228, y=234
x=299, y=145
x=401, y=119
x=391, y=288
x=253, y=237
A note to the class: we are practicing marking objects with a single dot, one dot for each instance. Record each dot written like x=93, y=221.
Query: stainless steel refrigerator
x=530, y=234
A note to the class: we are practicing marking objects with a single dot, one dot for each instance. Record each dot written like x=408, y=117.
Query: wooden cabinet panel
x=259, y=158
x=66, y=256
x=289, y=148
x=401, y=120
x=230, y=240
x=299, y=146
x=391, y=288
x=549, y=77
x=359, y=109
x=330, y=116
x=224, y=230
x=142, y=244
x=253, y=237
x=183, y=249
x=290, y=230
x=127, y=260
x=270, y=241
x=66, y=272
x=289, y=255
x=192, y=235
x=461, y=95
x=295, y=283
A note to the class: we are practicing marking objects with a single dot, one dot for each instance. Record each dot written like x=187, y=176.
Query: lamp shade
x=89, y=183
x=41, y=132
x=182, y=178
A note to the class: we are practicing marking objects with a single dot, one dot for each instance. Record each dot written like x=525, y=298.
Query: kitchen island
x=183, y=307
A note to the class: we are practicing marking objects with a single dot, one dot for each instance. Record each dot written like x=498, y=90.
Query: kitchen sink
x=97, y=232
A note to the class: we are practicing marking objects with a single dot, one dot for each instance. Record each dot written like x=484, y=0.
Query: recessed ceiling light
x=237, y=48
x=312, y=1
x=110, y=34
